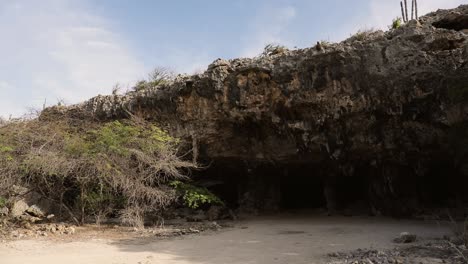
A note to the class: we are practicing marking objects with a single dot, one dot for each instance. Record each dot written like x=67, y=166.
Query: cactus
x=402, y=12
x=406, y=10
x=416, y=9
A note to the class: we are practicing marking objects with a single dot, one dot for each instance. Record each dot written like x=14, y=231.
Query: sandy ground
x=286, y=239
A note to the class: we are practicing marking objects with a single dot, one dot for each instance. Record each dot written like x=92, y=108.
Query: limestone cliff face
x=384, y=101
x=385, y=92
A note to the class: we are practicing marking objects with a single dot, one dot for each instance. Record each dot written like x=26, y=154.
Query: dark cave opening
x=267, y=187
x=387, y=189
x=301, y=191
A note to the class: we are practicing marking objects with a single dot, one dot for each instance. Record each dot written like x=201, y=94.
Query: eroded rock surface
x=388, y=106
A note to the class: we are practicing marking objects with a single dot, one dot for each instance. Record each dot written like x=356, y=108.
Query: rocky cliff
x=387, y=109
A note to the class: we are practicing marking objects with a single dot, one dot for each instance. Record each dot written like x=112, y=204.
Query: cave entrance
x=264, y=186
x=290, y=187
x=354, y=189
x=301, y=189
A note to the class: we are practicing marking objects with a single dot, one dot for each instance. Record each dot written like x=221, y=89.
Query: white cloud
x=268, y=28
x=56, y=49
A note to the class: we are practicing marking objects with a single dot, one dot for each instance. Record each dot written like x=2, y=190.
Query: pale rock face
x=19, y=208
x=34, y=210
x=4, y=211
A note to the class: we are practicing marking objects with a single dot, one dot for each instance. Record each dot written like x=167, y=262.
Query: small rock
x=456, y=240
x=28, y=218
x=193, y=230
x=14, y=233
x=199, y=216
x=70, y=230
x=405, y=237
x=61, y=228
x=214, y=212
x=4, y=211
x=18, y=208
x=27, y=225
x=34, y=210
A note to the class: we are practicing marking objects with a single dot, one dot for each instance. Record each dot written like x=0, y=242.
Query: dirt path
x=261, y=241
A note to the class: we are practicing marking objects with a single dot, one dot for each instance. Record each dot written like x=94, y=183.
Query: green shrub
x=6, y=153
x=5, y=149
x=325, y=43
x=194, y=196
x=140, y=85
x=3, y=202
x=363, y=35
x=396, y=23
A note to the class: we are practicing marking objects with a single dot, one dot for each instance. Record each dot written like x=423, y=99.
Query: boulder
x=19, y=208
x=4, y=211
x=405, y=237
x=197, y=216
x=214, y=212
x=34, y=210
x=70, y=230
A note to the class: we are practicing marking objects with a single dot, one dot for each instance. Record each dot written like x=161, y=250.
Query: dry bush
x=158, y=76
x=365, y=35
x=161, y=74
x=132, y=216
x=93, y=169
x=273, y=49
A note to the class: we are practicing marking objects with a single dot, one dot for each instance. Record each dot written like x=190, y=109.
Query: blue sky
x=72, y=50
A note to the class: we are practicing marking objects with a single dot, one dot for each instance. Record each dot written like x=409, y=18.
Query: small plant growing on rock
x=158, y=76
x=364, y=35
x=140, y=85
x=3, y=202
x=116, y=89
x=273, y=49
x=323, y=44
x=396, y=23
